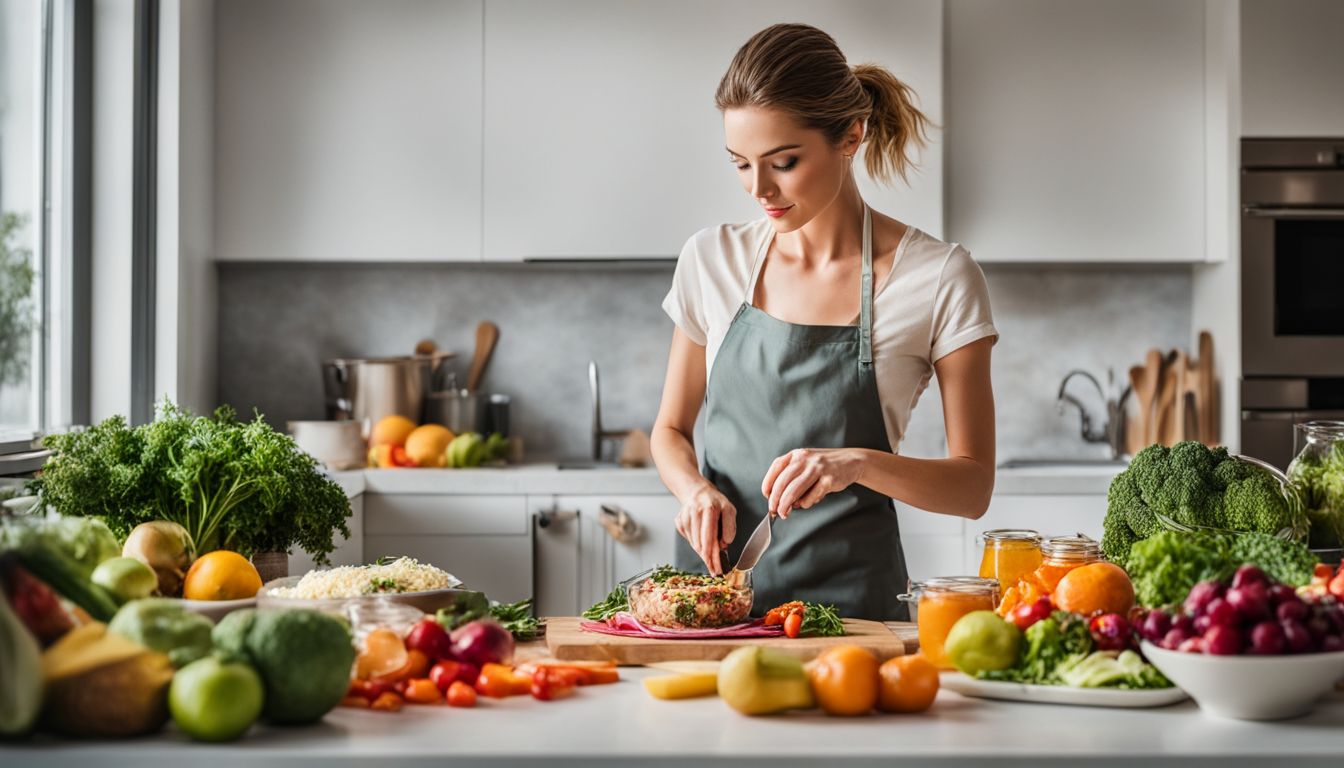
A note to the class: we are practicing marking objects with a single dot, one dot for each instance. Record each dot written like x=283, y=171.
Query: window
x=22, y=88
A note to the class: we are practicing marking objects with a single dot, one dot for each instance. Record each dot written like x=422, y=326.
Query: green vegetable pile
x=1191, y=487
x=515, y=617
x=1165, y=566
x=1320, y=480
x=232, y=484
x=1060, y=651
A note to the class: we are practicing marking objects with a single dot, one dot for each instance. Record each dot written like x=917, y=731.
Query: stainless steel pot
x=368, y=389
x=457, y=409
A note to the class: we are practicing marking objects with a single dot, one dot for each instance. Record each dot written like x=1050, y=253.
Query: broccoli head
x=1189, y=486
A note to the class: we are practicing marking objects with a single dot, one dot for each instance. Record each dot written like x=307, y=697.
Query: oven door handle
x=1294, y=213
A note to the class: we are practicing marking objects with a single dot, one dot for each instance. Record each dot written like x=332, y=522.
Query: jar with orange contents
x=940, y=602
x=1063, y=554
x=1009, y=554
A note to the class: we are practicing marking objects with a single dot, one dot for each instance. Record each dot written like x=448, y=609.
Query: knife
x=751, y=552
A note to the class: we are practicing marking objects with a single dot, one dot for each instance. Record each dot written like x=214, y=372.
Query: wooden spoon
x=487, y=333
x=1145, y=381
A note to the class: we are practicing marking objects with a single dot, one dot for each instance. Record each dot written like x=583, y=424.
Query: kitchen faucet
x=599, y=433
x=1112, y=432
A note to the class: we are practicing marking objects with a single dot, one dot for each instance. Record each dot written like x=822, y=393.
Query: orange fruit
x=427, y=445
x=391, y=430
x=1095, y=588
x=907, y=684
x=844, y=680
x=221, y=575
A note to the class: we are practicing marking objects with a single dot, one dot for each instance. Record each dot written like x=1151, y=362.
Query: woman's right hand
x=709, y=522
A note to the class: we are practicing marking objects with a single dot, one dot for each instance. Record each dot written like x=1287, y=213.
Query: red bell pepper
x=550, y=683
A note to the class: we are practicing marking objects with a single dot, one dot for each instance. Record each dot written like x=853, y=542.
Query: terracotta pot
x=271, y=565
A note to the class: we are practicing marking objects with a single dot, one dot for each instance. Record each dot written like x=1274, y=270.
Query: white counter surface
x=622, y=725
x=548, y=478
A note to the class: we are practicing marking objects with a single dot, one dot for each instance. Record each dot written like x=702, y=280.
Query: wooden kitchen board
x=569, y=643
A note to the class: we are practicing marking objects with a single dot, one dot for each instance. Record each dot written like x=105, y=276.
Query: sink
x=1071, y=462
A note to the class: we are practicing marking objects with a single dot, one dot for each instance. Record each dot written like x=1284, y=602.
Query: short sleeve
x=684, y=302
x=961, y=311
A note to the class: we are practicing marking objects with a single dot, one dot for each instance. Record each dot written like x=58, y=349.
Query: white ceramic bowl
x=1250, y=687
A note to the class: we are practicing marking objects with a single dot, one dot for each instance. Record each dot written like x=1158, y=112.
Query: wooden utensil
x=487, y=333
x=1174, y=378
x=568, y=642
x=1207, y=395
x=1145, y=389
x=1166, y=398
x=1135, y=421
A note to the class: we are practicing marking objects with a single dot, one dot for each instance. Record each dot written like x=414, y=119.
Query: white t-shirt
x=933, y=302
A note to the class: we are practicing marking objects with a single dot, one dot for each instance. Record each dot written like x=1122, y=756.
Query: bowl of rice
x=403, y=580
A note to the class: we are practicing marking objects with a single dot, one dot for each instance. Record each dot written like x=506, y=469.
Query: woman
x=809, y=335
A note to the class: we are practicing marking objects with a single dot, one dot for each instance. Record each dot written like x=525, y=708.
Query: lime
x=981, y=641
x=214, y=700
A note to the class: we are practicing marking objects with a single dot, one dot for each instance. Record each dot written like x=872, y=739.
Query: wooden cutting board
x=569, y=643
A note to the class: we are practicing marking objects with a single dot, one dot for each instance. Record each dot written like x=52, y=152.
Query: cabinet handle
x=547, y=516
x=618, y=523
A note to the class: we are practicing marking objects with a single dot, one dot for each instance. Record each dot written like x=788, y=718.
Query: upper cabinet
x=601, y=135
x=1292, y=68
x=348, y=130
x=1076, y=131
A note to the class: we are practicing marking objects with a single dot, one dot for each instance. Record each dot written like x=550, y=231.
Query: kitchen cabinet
x=1291, y=61
x=612, y=106
x=484, y=540
x=1076, y=131
x=578, y=562
x=347, y=130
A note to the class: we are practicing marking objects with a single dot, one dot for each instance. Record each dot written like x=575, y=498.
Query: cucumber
x=67, y=578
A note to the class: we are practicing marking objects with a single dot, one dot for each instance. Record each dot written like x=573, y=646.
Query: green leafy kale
x=233, y=485
x=1165, y=566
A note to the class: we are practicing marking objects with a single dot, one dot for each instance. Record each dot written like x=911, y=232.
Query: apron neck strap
x=866, y=291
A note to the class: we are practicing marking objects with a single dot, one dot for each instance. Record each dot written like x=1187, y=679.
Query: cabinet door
x=1076, y=130
x=611, y=106
x=1050, y=515
x=486, y=541
x=348, y=130
x=932, y=543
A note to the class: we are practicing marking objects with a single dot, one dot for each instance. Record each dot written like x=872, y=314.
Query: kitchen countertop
x=548, y=479
x=621, y=724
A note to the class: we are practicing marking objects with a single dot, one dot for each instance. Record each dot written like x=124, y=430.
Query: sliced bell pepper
x=550, y=683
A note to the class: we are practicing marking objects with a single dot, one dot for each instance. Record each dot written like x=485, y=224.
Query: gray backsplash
x=277, y=322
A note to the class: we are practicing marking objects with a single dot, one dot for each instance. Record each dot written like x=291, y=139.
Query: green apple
x=215, y=700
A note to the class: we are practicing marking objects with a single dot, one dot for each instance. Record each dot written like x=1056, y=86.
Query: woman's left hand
x=804, y=476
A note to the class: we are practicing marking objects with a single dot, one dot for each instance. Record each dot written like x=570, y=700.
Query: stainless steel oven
x=1292, y=289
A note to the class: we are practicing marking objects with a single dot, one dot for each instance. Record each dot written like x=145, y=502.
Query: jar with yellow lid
x=1009, y=554
x=1064, y=553
x=940, y=602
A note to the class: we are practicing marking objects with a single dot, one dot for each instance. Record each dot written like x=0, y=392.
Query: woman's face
x=792, y=172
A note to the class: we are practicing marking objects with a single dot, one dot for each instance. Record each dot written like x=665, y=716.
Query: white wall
x=113, y=110
x=1292, y=57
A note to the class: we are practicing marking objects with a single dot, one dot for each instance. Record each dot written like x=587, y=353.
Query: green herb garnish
x=383, y=585
x=821, y=621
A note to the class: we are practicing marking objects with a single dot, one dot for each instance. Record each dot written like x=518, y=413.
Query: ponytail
x=895, y=125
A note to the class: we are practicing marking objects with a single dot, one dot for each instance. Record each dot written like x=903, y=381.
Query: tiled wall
x=277, y=322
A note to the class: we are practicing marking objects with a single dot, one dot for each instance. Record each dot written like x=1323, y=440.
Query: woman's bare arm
x=707, y=519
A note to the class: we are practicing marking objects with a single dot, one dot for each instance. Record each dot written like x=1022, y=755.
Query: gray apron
x=776, y=386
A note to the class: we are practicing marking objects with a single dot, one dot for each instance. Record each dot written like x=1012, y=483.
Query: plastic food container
x=689, y=601
x=940, y=602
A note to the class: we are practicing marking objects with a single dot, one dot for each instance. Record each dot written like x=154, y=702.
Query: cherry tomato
x=461, y=695
x=793, y=625
x=444, y=674
x=422, y=691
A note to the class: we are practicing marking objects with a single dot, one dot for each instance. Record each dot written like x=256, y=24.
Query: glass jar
x=1009, y=554
x=939, y=602
x=1064, y=553
x=1317, y=472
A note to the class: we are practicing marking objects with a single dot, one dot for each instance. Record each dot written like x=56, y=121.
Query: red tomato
x=444, y=674
x=793, y=625
x=461, y=695
x=1336, y=585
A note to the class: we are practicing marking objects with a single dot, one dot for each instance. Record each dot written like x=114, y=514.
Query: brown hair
x=800, y=69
